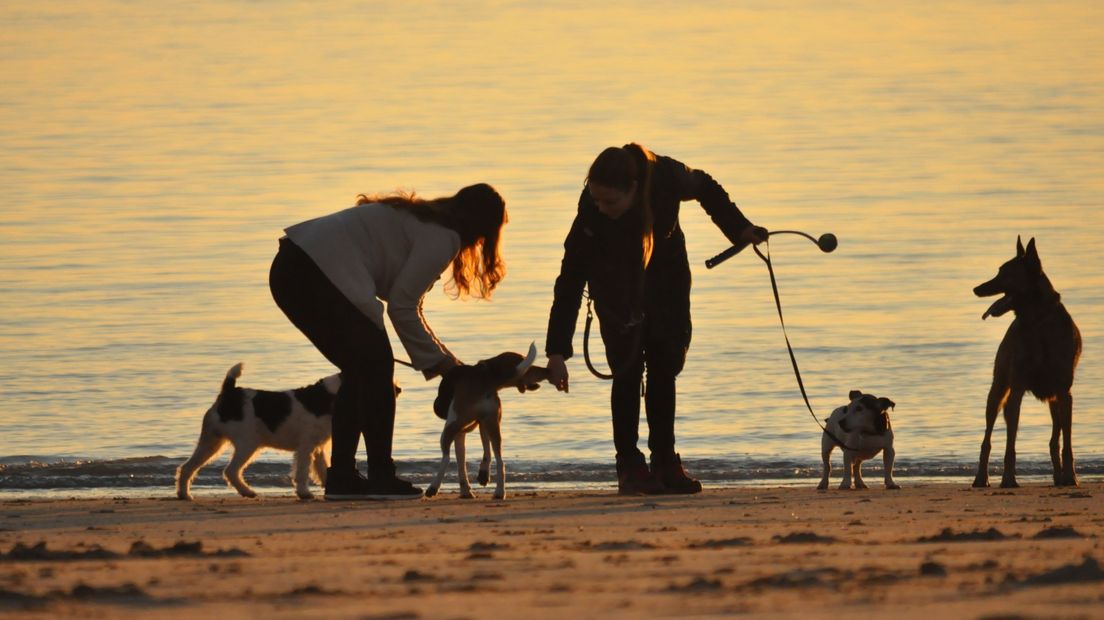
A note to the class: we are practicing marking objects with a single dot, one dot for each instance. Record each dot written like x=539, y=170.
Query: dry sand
x=941, y=549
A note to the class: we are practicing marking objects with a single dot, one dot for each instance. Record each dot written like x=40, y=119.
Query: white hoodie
x=374, y=251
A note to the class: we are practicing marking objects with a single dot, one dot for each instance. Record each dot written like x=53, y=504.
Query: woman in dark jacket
x=627, y=247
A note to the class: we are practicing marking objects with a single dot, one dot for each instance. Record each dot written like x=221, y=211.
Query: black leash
x=789, y=347
x=586, y=341
x=586, y=345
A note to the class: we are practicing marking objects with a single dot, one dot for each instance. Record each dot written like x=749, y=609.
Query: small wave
x=29, y=473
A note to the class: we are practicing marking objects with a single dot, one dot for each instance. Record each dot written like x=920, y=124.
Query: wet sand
x=942, y=549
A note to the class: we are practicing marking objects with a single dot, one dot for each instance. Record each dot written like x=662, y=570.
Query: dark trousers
x=352, y=342
x=629, y=355
x=657, y=347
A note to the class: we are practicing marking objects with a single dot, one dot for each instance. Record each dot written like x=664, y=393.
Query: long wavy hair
x=621, y=168
x=477, y=213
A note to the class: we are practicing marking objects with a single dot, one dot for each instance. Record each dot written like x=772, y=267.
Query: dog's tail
x=231, y=380
x=528, y=361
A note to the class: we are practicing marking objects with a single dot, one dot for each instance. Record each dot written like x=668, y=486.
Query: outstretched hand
x=557, y=372
x=441, y=368
x=754, y=234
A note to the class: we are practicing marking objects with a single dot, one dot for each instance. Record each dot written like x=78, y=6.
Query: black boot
x=674, y=477
x=346, y=483
x=384, y=484
x=634, y=478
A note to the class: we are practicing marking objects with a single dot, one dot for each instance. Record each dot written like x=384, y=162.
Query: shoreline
x=771, y=551
x=287, y=491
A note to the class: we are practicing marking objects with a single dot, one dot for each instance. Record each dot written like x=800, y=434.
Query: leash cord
x=586, y=342
x=637, y=329
x=789, y=347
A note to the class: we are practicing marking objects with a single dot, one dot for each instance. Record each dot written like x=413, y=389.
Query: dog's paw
x=305, y=496
x=893, y=486
x=431, y=491
x=484, y=477
x=466, y=494
x=1009, y=483
x=500, y=495
x=981, y=483
x=823, y=486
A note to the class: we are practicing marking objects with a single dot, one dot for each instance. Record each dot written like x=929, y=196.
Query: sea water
x=153, y=152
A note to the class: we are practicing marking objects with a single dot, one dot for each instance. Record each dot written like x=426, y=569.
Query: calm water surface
x=153, y=153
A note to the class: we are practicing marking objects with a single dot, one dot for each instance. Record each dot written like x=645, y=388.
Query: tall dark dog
x=1038, y=354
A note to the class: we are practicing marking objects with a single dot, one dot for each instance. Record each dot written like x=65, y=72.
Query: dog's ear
x=1031, y=254
x=853, y=394
x=885, y=403
x=881, y=423
x=1019, y=247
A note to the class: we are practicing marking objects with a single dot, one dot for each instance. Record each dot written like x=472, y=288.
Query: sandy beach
x=1033, y=552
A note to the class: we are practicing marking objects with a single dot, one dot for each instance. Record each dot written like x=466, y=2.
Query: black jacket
x=602, y=253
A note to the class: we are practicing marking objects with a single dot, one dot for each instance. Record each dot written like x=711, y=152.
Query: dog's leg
x=848, y=460
x=1055, y=436
x=462, y=467
x=300, y=471
x=888, y=455
x=1012, y=421
x=494, y=431
x=826, y=447
x=321, y=463
x=243, y=455
x=485, y=464
x=207, y=448
x=1064, y=406
x=447, y=436
x=998, y=394
x=856, y=464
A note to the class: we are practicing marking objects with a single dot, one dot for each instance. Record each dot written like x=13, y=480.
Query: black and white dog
x=863, y=427
x=296, y=420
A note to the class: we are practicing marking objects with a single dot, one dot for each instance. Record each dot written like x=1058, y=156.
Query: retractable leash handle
x=826, y=242
x=727, y=254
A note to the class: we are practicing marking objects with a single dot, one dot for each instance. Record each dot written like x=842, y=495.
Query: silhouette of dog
x=474, y=402
x=1038, y=354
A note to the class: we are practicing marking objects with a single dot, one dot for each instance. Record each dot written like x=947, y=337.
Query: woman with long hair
x=331, y=276
x=627, y=247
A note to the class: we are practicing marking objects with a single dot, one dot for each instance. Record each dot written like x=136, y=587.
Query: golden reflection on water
x=153, y=153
